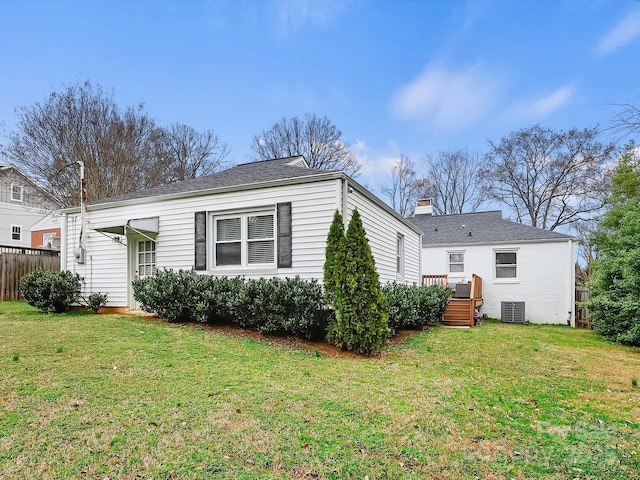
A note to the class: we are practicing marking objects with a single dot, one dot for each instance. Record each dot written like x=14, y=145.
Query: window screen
x=506, y=265
x=456, y=262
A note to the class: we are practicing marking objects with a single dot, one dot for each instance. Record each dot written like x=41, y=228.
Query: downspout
x=572, y=291
x=420, y=259
x=345, y=192
x=63, y=243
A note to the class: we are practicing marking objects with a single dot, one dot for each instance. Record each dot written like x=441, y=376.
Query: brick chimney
x=424, y=207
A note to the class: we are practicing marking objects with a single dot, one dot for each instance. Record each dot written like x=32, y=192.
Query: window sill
x=506, y=280
x=242, y=271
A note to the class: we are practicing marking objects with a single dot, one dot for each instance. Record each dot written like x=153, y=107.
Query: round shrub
x=49, y=291
x=96, y=301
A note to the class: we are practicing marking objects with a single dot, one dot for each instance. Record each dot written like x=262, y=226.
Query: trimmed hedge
x=288, y=306
x=285, y=306
x=413, y=307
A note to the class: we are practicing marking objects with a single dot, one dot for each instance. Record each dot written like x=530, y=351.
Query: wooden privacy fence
x=13, y=266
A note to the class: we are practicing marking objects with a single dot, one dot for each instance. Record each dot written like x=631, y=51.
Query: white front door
x=142, y=262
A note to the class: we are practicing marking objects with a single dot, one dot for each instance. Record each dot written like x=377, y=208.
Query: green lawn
x=120, y=397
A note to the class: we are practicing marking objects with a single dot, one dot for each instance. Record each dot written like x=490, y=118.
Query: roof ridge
x=265, y=160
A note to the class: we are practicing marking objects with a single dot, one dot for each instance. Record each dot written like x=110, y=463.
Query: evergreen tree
x=334, y=258
x=361, y=323
x=614, y=303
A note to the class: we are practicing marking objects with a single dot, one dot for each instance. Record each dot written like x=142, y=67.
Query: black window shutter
x=284, y=235
x=201, y=241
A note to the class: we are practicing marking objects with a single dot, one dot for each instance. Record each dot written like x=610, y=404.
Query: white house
x=526, y=272
x=22, y=204
x=260, y=219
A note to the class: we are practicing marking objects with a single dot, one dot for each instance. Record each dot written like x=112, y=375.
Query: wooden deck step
x=459, y=313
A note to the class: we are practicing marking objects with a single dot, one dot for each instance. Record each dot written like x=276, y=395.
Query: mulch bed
x=323, y=348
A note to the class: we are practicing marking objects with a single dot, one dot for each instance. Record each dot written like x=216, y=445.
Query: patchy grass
x=114, y=396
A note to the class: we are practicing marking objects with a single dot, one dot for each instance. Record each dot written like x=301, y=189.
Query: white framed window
x=16, y=232
x=455, y=262
x=506, y=262
x=400, y=255
x=17, y=193
x=146, y=258
x=244, y=239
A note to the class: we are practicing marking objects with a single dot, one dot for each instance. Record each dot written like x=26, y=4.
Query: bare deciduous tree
x=548, y=177
x=406, y=187
x=456, y=183
x=317, y=138
x=191, y=154
x=123, y=150
x=627, y=120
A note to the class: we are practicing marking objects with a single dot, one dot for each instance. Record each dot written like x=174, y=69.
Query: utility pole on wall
x=82, y=247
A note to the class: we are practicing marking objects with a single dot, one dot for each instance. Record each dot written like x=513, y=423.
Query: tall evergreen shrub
x=361, y=314
x=334, y=258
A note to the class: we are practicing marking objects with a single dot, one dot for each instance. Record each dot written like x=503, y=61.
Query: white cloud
x=360, y=146
x=376, y=169
x=626, y=31
x=292, y=16
x=544, y=106
x=447, y=99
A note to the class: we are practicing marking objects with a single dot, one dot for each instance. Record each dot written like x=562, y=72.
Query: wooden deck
x=466, y=299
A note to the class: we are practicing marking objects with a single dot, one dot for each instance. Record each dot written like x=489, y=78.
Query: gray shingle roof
x=479, y=227
x=243, y=174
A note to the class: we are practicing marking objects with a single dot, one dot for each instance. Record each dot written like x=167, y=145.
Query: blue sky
x=402, y=76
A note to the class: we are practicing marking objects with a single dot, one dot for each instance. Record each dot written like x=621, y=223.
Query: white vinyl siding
x=313, y=205
x=14, y=214
x=382, y=229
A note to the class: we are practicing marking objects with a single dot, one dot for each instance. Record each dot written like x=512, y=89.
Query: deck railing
x=466, y=298
x=476, y=288
x=429, y=280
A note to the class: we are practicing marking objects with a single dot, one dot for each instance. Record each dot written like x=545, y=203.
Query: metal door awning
x=147, y=227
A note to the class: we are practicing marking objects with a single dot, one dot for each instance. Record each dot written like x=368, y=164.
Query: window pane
x=228, y=229
x=260, y=227
x=506, y=272
x=228, y=253
x=16, y=192
x=506, y=258
x=260, y=251
x=456, y=267
x=456, y=257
